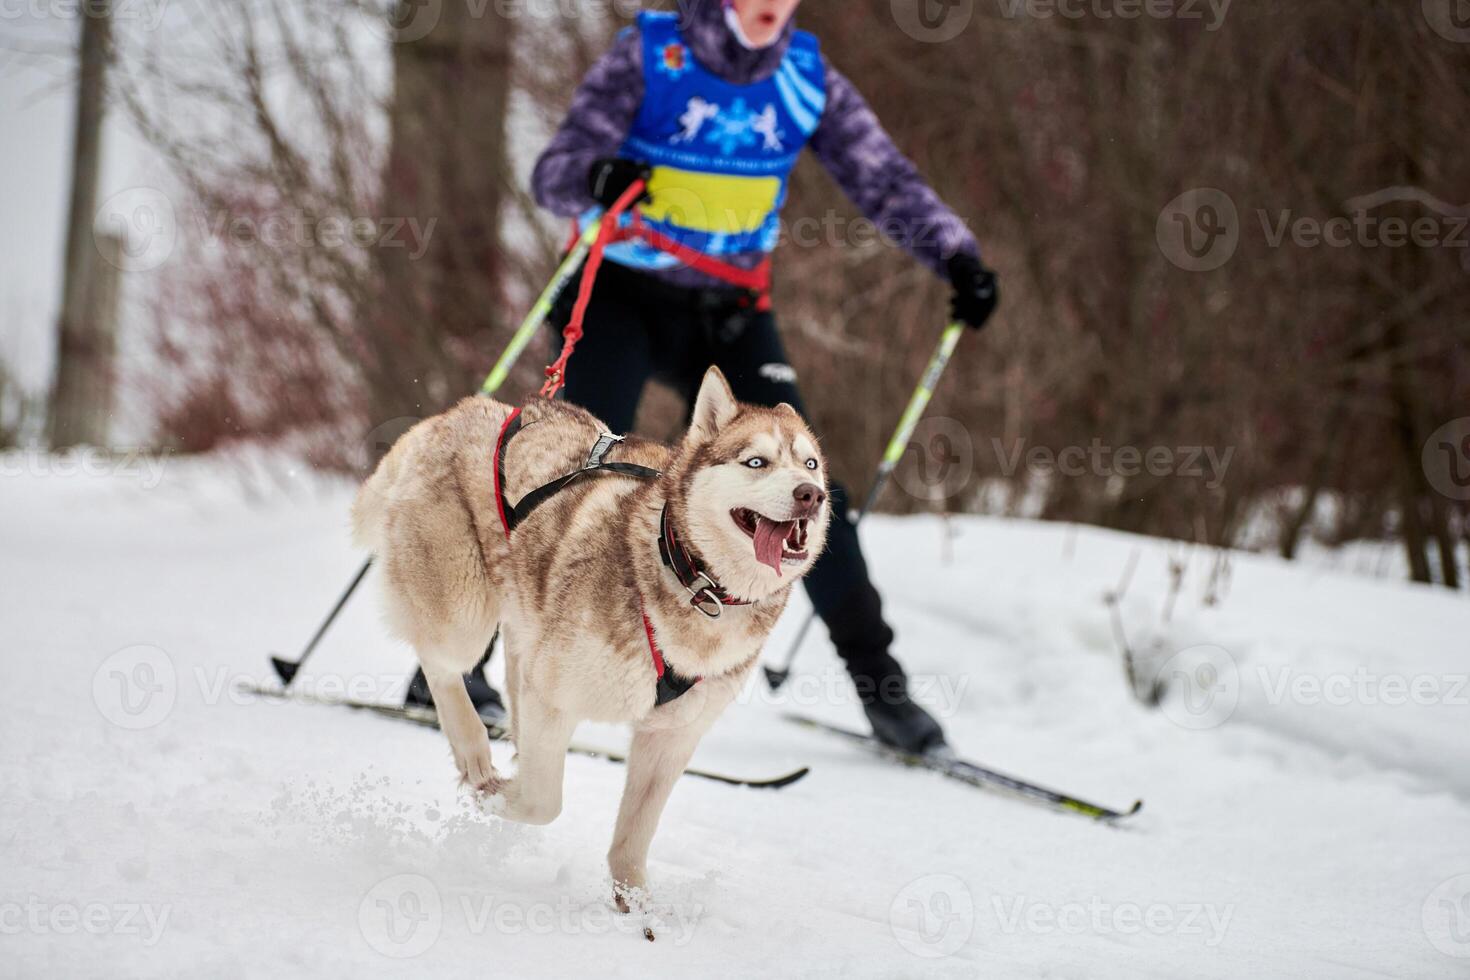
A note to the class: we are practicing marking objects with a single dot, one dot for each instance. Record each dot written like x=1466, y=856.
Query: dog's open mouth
x=776, y=542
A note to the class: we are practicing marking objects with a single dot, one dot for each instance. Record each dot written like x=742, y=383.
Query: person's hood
x=702, y=26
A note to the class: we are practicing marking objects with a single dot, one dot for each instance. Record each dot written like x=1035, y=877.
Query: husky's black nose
x=809, y=497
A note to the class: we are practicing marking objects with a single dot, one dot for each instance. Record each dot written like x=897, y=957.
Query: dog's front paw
x=477, y=772
x=491, y=786
x=630, y=892
x=629, y=899
x=634, y=900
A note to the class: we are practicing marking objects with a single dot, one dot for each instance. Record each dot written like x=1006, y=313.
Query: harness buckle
x=705, y=594
x=600, y=449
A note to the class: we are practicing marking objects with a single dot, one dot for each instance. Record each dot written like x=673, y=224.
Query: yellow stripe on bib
x=720, y=204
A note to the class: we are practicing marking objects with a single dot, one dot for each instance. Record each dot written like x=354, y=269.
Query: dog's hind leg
x=447, y=629
x=442, y=597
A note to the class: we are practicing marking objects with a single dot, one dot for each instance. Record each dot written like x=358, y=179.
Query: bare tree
x=81, y=398
x=1313, y=370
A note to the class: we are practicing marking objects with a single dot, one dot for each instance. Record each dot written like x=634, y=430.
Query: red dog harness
x=756, y=282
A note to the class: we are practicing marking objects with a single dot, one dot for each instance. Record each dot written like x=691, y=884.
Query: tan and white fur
x=569, y=588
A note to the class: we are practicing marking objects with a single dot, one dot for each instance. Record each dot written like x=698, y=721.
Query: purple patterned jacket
x=850, y=142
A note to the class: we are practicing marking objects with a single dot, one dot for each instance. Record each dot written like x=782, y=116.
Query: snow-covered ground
x=1306, y=777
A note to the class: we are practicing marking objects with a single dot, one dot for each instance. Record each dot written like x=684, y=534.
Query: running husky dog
x=632, y=582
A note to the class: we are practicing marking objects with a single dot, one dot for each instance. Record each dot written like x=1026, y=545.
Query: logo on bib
x=674, y=60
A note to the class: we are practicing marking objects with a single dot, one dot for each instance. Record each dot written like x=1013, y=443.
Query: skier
x=711, y=107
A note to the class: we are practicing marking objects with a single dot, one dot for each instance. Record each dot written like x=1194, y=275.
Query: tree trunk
x=81, y=394
x=1444, y=539
x=440, y=313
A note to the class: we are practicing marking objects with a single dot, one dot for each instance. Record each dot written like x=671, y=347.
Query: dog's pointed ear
x=714, y=407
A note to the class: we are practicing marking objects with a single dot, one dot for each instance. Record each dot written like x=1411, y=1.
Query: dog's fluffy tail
x=370, y=508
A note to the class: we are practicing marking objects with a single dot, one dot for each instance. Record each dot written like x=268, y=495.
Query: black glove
x=611, y=176
x=976, y=290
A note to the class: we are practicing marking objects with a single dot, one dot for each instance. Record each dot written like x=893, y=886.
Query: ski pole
x=539, y=312
x=286, y=669
x=776, y=676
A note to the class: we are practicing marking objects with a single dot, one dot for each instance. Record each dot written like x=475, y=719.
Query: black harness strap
x=596, y=463
x=671, y=686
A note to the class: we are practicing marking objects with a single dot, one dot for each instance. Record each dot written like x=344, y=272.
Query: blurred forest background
x=1146, y=187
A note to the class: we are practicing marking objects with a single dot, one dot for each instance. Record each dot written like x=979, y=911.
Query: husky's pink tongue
x=770, y=536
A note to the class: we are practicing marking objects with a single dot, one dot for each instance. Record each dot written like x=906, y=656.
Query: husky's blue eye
x=755, y=462
x=811, y=464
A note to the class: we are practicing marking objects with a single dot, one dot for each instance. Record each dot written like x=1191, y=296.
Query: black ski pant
x=637, y=328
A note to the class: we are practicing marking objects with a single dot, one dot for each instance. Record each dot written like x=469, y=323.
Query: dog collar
x=705, y=594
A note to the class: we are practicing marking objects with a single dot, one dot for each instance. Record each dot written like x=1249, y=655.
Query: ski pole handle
x=522, y=337
x=909, y=421
x=925, y=391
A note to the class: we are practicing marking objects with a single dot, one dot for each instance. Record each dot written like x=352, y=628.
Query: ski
x=948, y=764
x=428, y=718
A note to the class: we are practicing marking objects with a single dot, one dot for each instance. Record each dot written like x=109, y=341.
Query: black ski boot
x=863, y=639
x=484, y=697
x=897, y=721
